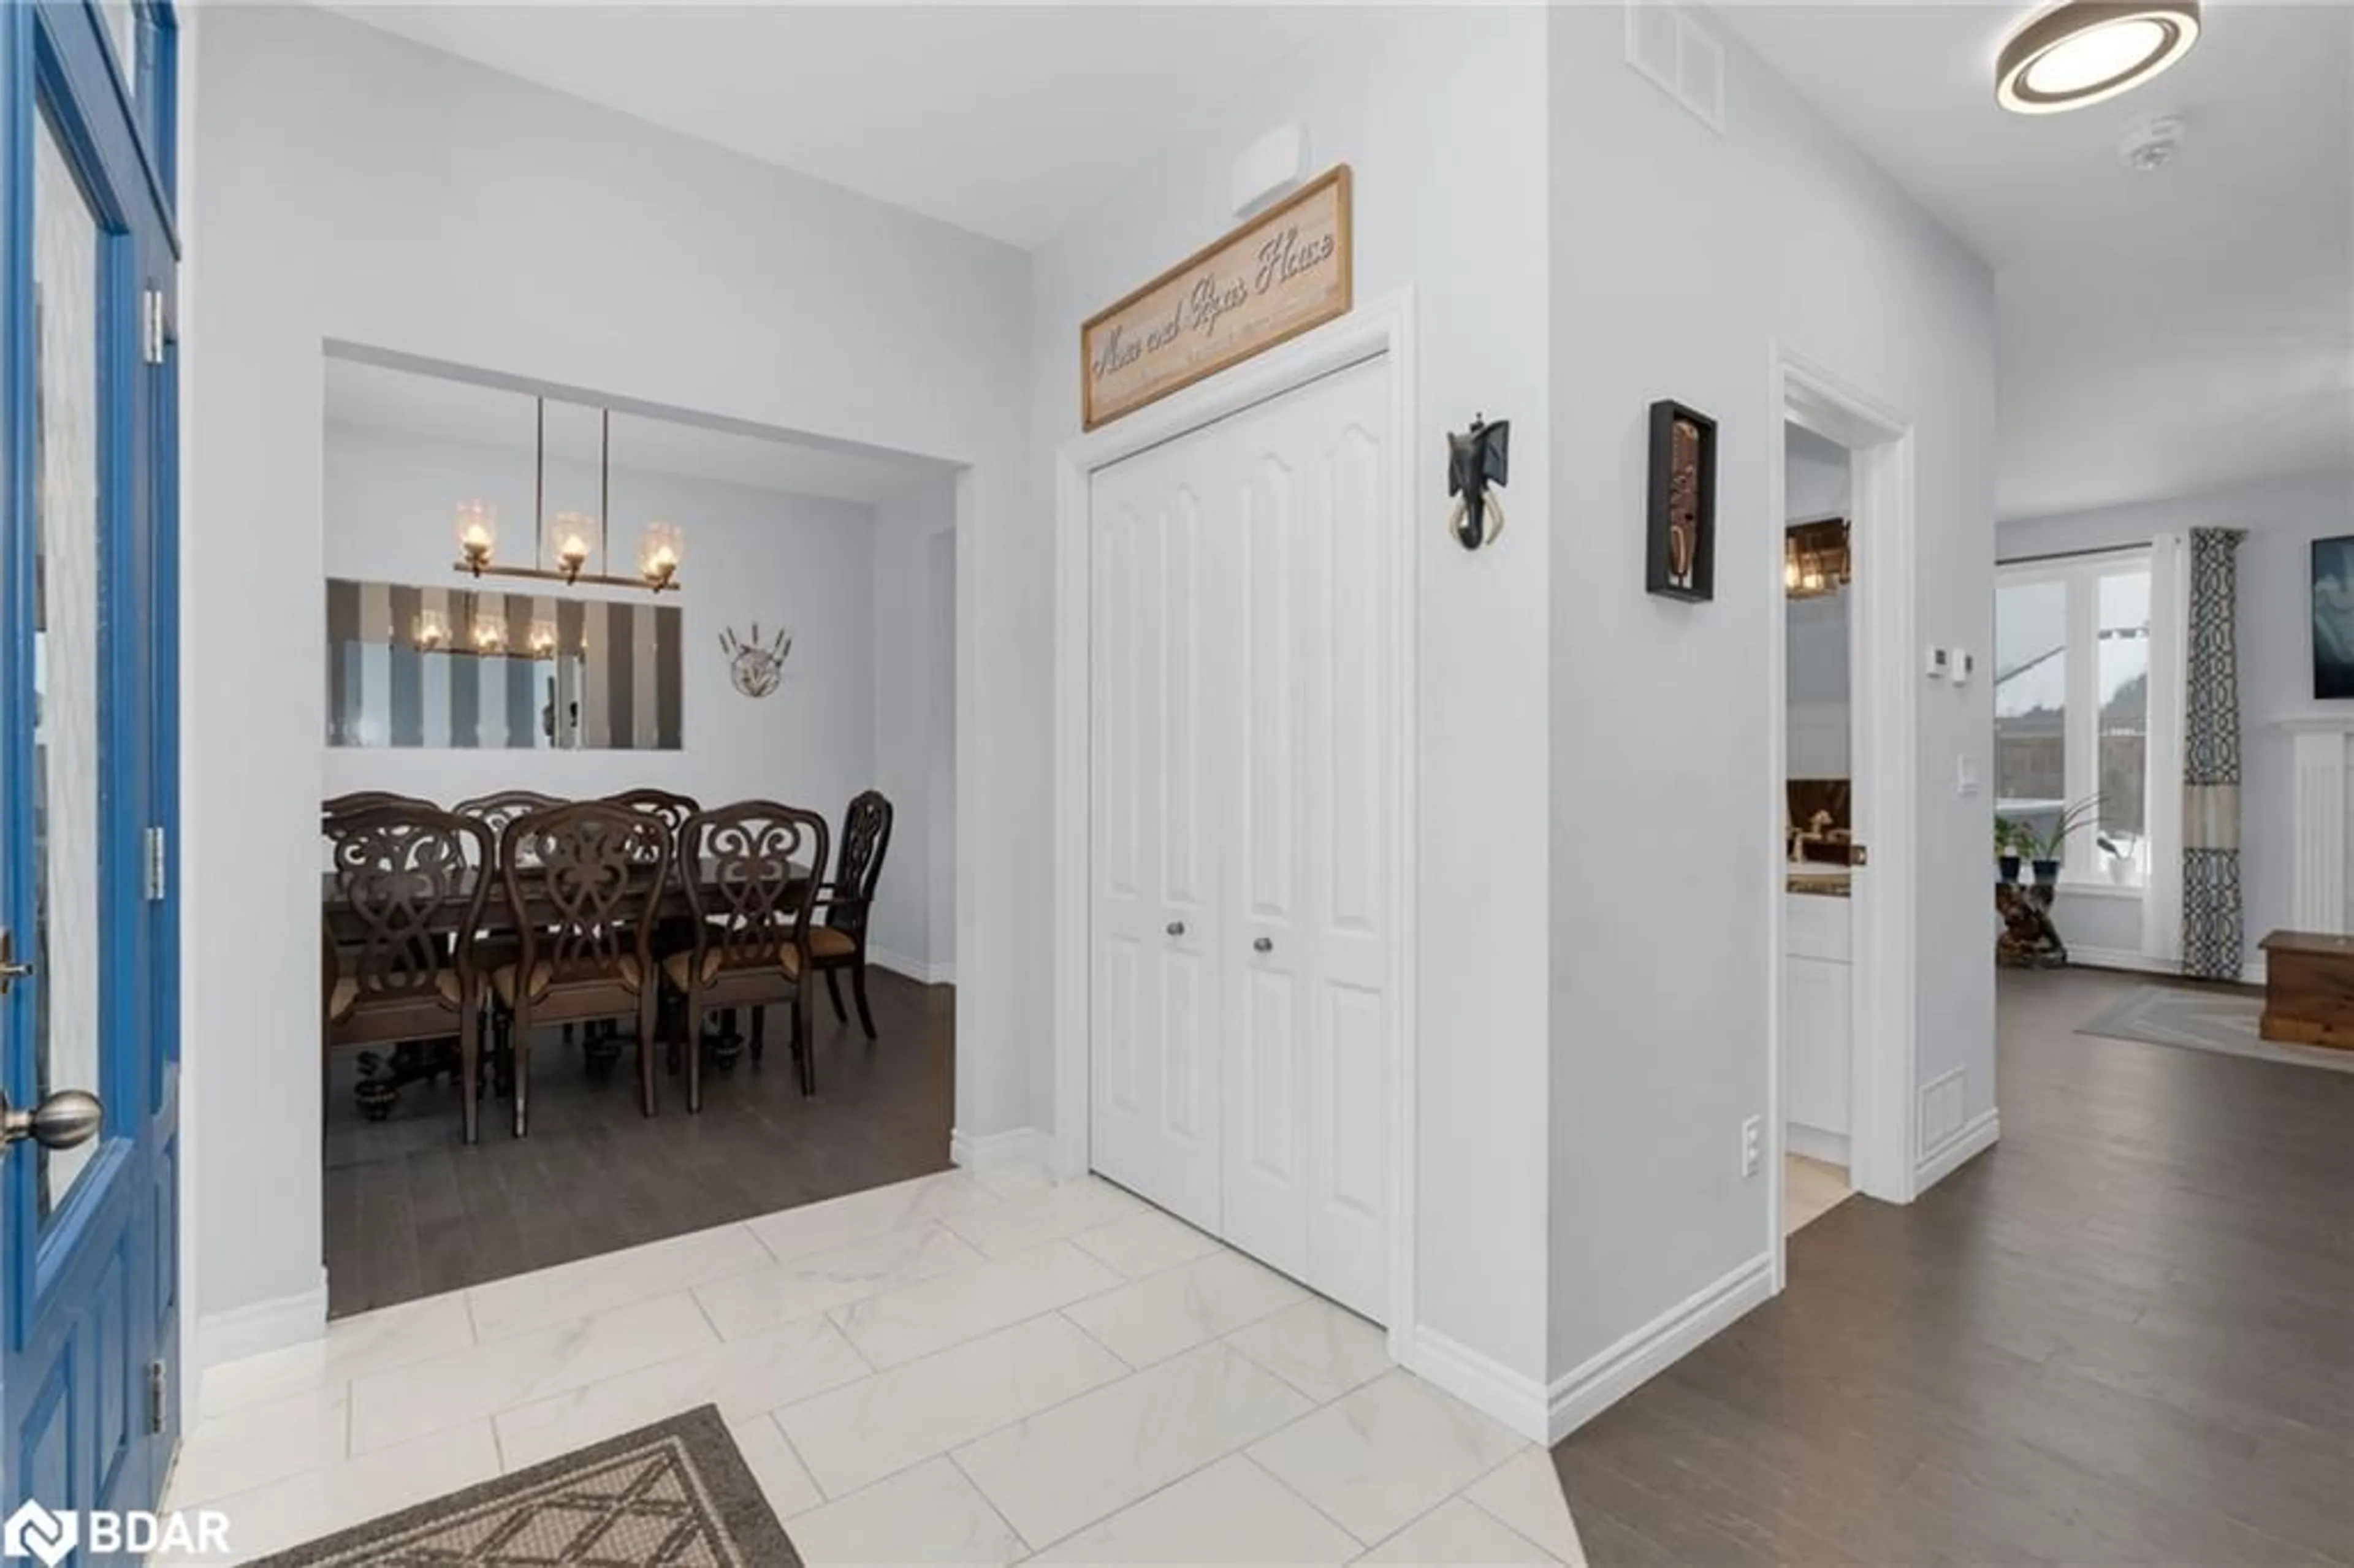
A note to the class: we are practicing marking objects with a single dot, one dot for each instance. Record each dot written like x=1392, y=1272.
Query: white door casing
x=1884, y=699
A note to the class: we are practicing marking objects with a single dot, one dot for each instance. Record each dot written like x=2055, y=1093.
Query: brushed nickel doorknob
x=62, y=1120
x=1264, y=945
x=1176, y=927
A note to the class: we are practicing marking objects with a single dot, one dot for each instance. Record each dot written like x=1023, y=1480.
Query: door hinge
x=151, y=332
x=156, y=1392
x=156, y=864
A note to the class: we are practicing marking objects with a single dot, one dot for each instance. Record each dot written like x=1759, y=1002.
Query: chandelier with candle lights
x=660, y=549
x=485, y=635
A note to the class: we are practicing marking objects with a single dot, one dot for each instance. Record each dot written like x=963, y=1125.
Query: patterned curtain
x=2211, y=761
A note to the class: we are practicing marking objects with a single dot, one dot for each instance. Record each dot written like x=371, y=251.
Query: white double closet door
x=1244, y=787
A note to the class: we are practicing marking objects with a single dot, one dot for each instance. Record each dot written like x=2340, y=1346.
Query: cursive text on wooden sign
x=1284, y=271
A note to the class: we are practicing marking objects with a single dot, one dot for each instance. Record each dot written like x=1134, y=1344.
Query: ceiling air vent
x=1667, y=44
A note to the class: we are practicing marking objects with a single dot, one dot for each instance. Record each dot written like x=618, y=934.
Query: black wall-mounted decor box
x=1680, y=558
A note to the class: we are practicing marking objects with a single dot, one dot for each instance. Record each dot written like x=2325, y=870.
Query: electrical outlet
x=1753, y=1145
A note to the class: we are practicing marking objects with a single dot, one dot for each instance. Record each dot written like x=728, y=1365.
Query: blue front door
x=89, y=1212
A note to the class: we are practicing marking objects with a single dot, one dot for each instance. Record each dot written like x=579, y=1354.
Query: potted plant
x=2120, y=862
x=2007, y=836
x=2049, y=848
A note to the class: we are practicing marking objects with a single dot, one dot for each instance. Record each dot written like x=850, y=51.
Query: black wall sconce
x=1477, y=459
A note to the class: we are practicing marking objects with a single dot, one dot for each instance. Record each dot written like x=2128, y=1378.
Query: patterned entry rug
x=675, y=1494
x=2204, y=1020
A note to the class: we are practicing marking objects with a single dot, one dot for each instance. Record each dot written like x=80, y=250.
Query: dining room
x=638, y=820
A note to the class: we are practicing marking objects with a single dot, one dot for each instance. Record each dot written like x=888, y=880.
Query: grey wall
x=1680, y=258
x=1814, y=475
x=343, y=184
x=2283, y=518
x=1440, y=112
x=796, y=561
x=912, y=690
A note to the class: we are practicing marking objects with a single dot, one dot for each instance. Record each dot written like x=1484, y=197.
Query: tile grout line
x=1516, y=1531
x=1126, y=1375
x=989, y=1502
x=1311, y=1504
x=1081, y=1329
x=1241, y=1452
x=969, y=1339
x=798, y=1458
x=1128, y=1372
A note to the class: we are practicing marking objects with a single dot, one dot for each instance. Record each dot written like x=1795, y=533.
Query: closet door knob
x=1264, y=945
x=1176, y=927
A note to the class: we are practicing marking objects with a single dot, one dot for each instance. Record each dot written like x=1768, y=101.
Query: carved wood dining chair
x=494, y=811
x=497, y=808
x=751, y=873
x=839, y=944
x=391, y=972
x=364, y=800
x=584, y=883
x=673, y=809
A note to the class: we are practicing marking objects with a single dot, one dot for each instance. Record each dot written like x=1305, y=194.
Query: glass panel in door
x=67, y=732
x=2124, y=781
x=121, y=18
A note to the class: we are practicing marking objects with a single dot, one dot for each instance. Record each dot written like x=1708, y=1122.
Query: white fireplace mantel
x=2321, y=763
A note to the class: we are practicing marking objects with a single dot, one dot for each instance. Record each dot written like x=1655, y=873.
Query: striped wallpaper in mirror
x=611, y=682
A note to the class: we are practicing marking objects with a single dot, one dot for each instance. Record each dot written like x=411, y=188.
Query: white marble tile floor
x=981, y=1367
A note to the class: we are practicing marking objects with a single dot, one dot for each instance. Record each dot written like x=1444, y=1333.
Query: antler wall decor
x=755, y=666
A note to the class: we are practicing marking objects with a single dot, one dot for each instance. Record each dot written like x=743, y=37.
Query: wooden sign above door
x=1285, y=270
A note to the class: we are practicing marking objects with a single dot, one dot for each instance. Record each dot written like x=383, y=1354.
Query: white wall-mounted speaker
x=1270, y=168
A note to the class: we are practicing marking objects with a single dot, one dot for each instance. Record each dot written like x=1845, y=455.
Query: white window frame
x=2081, y=867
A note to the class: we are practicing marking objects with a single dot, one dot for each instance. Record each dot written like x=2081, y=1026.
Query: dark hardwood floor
x=2125, y=1334
x=412, y=1211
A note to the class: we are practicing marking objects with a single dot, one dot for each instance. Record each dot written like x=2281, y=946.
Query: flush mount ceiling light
x=2082, y=51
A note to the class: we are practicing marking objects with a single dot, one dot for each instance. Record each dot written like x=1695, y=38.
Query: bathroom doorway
x=1845, y=1018
x=1818, y=768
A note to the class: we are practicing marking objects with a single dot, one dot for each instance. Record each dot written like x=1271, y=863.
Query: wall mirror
x=451, y=667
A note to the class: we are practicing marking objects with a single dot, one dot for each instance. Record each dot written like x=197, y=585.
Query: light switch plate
x=1966, y=775
x=1934, y=665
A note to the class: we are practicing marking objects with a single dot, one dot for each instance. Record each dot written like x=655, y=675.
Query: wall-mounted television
x=2333, y=618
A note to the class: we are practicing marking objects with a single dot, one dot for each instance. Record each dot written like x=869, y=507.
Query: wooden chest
x=2309, y=988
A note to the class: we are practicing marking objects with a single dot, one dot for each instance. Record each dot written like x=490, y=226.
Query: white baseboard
x=242, y=1331
x=995, y=1150
x=1580, y=1395
x=1830, y=1147
x=2251, y=973
x=1976, y=1135
x=916, y=970
x=1480, y=1381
